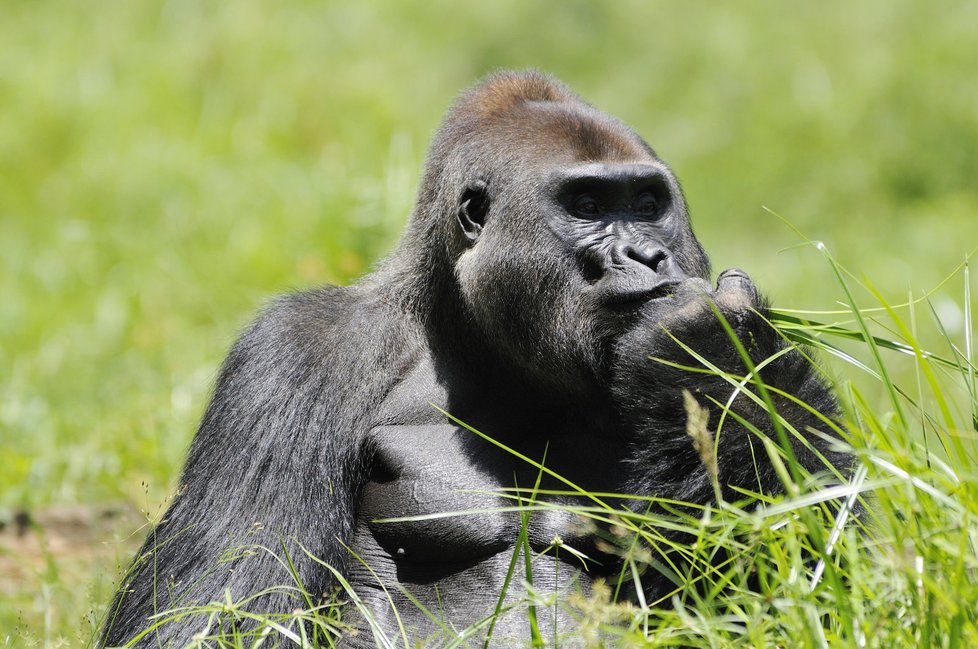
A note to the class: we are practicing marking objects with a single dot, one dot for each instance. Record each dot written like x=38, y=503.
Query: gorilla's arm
x=276, y=461
x=650, y=393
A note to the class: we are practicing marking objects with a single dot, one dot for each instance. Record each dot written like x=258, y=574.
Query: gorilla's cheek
x=528, y=300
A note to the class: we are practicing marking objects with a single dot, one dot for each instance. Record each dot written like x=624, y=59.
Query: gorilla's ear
x=473, y=207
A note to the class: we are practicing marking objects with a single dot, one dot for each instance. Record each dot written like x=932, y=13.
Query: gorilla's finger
x=735, y=290
x=734, y=279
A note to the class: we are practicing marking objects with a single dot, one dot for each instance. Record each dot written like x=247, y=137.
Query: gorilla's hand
x=693, y=317
x=697, y=328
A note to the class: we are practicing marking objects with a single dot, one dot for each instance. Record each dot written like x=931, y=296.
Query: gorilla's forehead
x=630, y=172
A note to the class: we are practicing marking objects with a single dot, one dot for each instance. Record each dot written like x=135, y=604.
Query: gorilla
x=548, y=257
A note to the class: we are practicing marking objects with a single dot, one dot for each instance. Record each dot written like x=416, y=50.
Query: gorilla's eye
x=586, y=205
x=646, y=204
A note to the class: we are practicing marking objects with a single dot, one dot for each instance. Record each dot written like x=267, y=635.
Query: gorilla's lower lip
x=661, y=291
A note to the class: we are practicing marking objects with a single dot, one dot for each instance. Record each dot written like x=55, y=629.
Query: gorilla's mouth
x=633, y=296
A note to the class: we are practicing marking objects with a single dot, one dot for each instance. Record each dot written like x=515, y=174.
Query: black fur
x=547, y=249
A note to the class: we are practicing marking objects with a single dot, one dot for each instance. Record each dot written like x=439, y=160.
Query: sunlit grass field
x=167, y=167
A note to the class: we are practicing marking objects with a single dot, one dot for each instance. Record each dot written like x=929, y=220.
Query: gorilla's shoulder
x=313, y=310
x=330, y=322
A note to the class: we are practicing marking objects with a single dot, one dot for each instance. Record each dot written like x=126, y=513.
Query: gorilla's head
x=542, y=226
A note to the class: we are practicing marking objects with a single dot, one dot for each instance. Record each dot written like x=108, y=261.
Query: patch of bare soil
x=34, y=542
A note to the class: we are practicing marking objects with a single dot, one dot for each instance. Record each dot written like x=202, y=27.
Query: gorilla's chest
x=439, y=528
x=439, y=494
x=443, y=514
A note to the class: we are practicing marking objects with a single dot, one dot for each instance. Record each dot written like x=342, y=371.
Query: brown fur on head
x=543, y=117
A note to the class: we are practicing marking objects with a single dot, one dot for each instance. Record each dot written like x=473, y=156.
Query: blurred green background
x=165, y=167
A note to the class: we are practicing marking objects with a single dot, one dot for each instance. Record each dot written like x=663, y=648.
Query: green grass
x=166, y=167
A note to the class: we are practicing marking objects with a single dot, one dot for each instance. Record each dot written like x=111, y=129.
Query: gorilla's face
x=627, y=226
x=561, y=260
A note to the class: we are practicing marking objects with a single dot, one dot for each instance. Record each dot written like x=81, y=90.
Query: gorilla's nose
x=655, y=258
